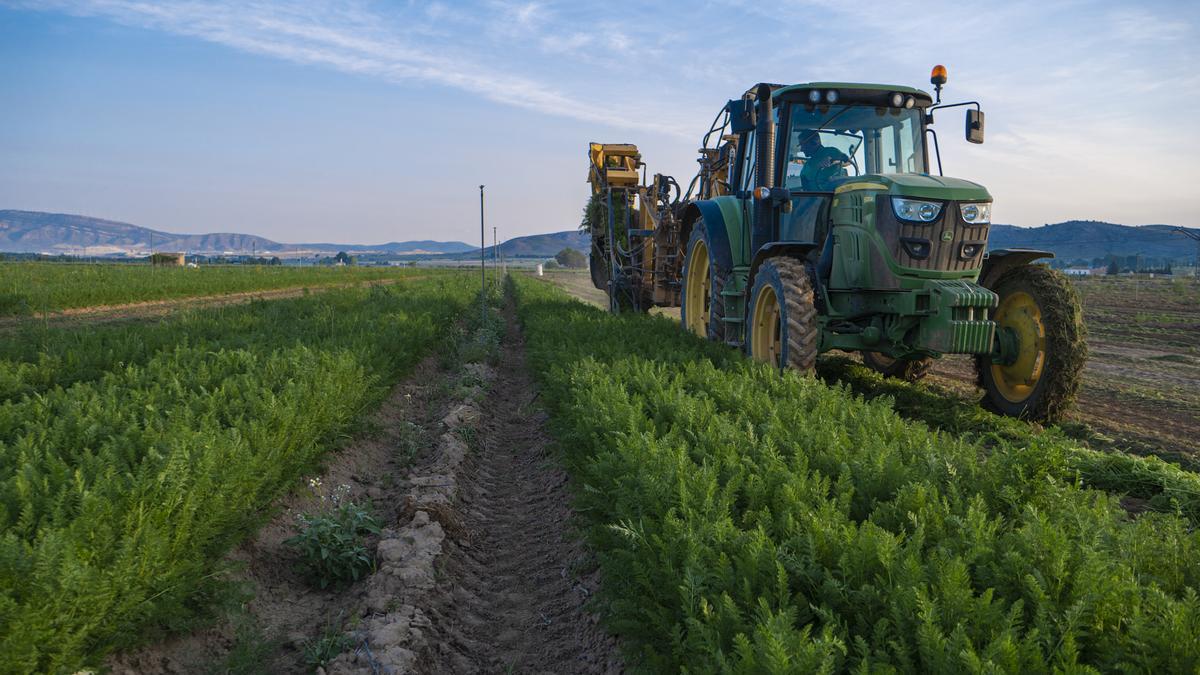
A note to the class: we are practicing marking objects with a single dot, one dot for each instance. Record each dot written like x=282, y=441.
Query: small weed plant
x=408, y=442
x=331, y=542
x=320, y=652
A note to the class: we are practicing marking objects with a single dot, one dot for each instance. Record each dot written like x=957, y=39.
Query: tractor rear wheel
x=782, y=329
x=1041, y=315
x=702, y=308
x=909, y=370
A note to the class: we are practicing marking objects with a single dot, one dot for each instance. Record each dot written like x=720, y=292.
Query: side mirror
x=974, y=126
x=741, y=116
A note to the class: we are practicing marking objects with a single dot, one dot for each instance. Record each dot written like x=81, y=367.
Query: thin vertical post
x=1192, y=235
x=612, y=257
x=495, y=253
x=482, y=264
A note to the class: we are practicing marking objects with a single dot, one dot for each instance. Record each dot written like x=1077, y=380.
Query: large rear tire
x=701, y=307
x=1040, y=311
x=783, y=329
x=909, y=370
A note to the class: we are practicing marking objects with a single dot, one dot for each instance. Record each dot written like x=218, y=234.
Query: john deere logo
x=947, y=235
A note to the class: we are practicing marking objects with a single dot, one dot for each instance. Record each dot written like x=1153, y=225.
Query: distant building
x=168, y=259
x=1078, y=271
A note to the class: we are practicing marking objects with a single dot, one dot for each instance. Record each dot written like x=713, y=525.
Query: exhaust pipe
x=764, y=162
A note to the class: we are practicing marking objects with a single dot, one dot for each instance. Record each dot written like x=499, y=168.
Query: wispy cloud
x=353, y=39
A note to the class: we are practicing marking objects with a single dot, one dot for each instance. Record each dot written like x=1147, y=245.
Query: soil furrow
x=477, y=569
x=518, y=600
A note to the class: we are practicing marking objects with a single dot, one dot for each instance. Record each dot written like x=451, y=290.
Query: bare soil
x=519, y=577
x=478, y=569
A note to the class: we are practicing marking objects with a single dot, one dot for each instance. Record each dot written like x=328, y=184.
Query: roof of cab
x=850, y=85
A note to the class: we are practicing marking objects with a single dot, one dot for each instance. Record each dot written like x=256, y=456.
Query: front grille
x=922, y=246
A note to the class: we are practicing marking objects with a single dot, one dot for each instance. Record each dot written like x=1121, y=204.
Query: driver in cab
x=822, y=166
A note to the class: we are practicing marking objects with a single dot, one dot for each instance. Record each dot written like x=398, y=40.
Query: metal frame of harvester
x=889, y=261
x=637, y=221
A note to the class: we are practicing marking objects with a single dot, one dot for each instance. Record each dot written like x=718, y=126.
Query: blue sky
x=364, y=122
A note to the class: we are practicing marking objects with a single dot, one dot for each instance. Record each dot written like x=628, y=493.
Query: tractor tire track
x=518, y=604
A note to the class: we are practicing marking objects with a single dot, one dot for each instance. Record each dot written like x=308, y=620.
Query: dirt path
x=136, y=311
x=517, y=605
x=477, y=569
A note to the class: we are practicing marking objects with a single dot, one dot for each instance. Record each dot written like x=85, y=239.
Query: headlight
x=976, y=214
x=915, y=209
x=814, y=95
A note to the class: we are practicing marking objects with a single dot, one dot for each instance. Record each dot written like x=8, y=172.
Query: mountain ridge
x=64, y=233
x=56, y=233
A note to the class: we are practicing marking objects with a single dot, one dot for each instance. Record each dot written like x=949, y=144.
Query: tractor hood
x=919, y=185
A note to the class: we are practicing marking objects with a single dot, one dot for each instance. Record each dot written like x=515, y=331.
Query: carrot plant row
x=1156, y=484
x=748, y=521
x=132, y=458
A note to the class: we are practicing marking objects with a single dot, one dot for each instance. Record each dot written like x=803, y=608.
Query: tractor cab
x=850, y=138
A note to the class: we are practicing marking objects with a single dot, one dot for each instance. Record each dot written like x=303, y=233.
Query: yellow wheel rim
x=698, y=285
x=766, y=340
x=1020, y=313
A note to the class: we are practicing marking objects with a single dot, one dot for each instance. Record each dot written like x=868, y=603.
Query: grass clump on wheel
x=1041, y=308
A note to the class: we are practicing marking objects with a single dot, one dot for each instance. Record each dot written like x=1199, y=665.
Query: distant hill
x=423, y=246
x=534, y=246
x=60, y=233
x=1070, y=240
x=1089, y=239
x=57, y=233
x=35, y=232
x=546, y=244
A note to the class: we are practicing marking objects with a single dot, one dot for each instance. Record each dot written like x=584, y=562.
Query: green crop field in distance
x=31, y=287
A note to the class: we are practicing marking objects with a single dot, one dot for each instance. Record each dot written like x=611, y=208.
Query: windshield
x=828, y=143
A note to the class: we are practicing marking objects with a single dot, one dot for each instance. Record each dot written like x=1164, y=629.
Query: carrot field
x=38, y=287
x=748, y=521
x=133, y=457
x=732, y=518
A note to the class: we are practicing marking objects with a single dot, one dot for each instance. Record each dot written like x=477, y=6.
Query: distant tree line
x=1119, y=264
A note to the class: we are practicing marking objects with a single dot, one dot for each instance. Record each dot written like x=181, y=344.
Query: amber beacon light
x=937, y=78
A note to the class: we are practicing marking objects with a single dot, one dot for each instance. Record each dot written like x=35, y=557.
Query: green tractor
x=819, y=225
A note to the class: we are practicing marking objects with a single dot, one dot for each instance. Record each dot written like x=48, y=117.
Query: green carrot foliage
x=133, y=458
x=750, y=521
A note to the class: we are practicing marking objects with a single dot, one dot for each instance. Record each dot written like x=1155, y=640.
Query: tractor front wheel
x=909, y=370
x=1039, y=323
x=783, y=328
